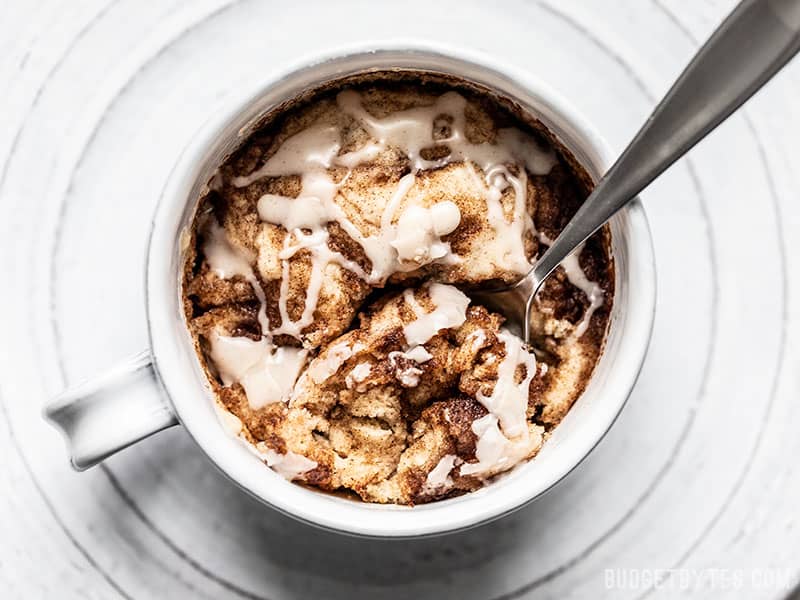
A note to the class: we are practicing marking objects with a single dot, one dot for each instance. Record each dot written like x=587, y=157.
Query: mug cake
x=327, y=279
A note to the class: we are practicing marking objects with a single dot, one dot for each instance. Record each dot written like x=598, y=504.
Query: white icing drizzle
x=477, y=338
x=438, y=479
x=509, y=400
x=359, y=373
x=233, y=356
x=388, y=251
x=503, y=436
x=266, y=373
x=523, y=147
x=313, y=148
x=289, y=466
x=415, y=238
x=227, y=262
x=272, y=379
x=577, y=277
x=418, y=354
x=543, y=367
x=507, y=247
x=411, y=301
x=323, y=368
x=294, y=328
x=224, y=260
x=411, y=131
x=450, y=311
x=593, y=292
x=409, y=375
x=292, y=213
x=450, y=306
x=494, y=451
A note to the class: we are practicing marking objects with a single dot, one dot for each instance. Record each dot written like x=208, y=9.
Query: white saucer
x=697, y=474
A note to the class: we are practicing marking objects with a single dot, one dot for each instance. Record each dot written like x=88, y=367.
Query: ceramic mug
x=165, y=386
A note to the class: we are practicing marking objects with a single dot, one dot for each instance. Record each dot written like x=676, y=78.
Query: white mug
x=165, y=385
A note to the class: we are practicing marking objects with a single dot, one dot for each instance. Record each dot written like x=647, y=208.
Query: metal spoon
x=747, y=49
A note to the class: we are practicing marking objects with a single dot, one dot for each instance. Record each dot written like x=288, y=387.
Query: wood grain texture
x=699, y=473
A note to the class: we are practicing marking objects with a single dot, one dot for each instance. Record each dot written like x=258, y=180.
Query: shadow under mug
x=165, y=386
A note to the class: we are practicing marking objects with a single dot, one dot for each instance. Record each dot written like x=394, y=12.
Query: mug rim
x=180, y=373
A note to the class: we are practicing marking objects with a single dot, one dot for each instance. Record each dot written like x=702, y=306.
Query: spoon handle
x=747, y=49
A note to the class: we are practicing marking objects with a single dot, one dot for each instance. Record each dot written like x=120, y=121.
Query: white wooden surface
x=700, y=473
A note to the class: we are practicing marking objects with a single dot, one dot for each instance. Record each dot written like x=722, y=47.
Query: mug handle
x=111, y=412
